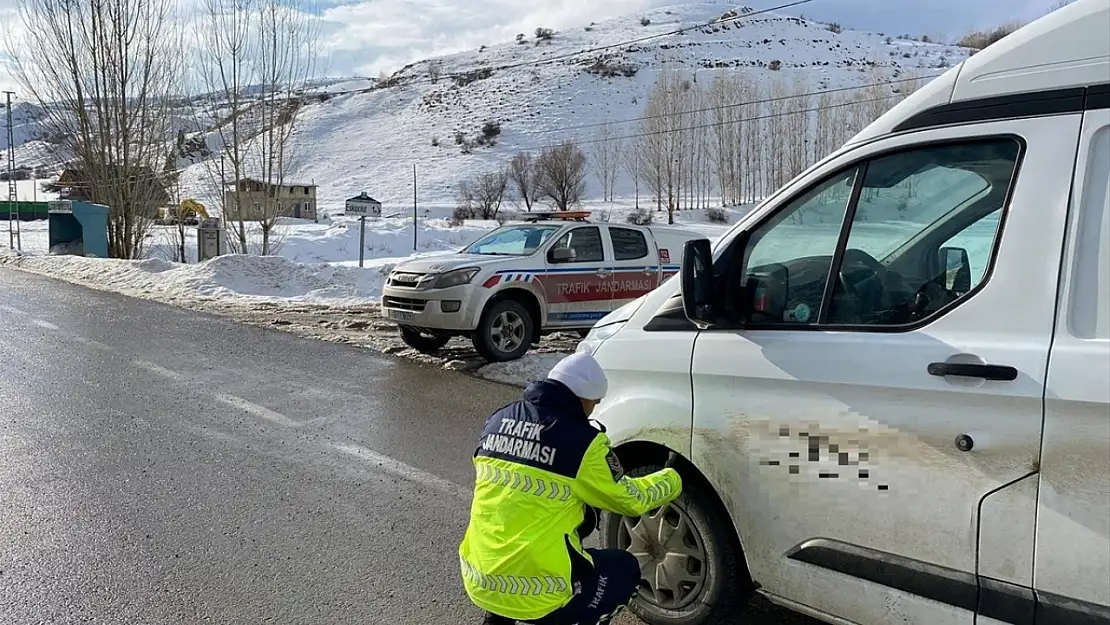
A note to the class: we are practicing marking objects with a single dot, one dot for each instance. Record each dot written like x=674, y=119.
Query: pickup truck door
x=577, y=290
x=635, y=264
x=875, y=427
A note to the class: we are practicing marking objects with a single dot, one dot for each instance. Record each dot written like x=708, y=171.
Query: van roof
x=1067, y=49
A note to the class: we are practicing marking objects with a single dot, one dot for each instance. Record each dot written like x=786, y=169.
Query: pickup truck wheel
x=689, y=560
x=424, y=343
x=505, y=331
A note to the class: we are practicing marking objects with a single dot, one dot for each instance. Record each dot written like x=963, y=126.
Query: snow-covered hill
x=358, y=135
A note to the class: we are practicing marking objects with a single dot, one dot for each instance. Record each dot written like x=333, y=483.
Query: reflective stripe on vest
x=507, y=478
x=511, y=584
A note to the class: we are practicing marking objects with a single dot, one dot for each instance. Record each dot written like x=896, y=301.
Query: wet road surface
x=163, y=466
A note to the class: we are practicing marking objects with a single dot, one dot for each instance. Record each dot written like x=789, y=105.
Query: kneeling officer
x=541, y=468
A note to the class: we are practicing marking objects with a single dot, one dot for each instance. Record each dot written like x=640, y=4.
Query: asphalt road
x=163, y=466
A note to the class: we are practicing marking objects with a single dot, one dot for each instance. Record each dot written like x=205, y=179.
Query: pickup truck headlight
x=456, y=277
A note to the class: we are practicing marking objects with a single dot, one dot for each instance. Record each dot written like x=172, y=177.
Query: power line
x=819, y=92
x=569, y=55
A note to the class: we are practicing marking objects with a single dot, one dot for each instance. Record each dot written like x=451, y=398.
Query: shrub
x=460, y=138
x=460, y=215
x=834, y=28
x=491, y=130
x=716, y=215
x=545, y=34
x=520, y=37
x=641, y=217
x=645, y=21
x=977, y=40
x=608, y=69
x=775, y=65
x=435, y=142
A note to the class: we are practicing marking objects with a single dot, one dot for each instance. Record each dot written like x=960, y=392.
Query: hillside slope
x=367, y=137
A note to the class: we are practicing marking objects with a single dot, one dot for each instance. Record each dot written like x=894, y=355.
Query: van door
x=867, y=418
x=577, y=288
x=635, y=266
x=1073, y=513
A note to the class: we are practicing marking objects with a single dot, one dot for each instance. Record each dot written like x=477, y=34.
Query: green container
x=27, y=210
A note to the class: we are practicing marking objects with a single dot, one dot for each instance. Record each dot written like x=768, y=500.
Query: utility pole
x=414, y=207
x=13, y=195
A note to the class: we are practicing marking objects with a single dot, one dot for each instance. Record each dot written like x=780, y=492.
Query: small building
x=363, y=205
x=94, y=185
x=259, y=200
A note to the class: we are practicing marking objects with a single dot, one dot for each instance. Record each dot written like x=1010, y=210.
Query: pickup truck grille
x=405, y=280
x=404, y=303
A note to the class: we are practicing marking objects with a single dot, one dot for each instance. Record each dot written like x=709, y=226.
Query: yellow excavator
x=190, y=209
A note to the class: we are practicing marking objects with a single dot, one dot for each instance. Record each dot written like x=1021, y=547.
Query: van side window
x=586, y=243
x=789, y=256
x=922, y=216
x=628, y=244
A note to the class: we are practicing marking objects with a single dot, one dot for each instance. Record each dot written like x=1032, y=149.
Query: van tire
x=726, y=589
x=423, y=343
x=497, y=316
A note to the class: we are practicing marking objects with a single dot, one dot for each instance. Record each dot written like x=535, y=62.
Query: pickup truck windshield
x=521, y=240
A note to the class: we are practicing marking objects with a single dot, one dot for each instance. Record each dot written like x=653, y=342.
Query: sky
x=365, y=37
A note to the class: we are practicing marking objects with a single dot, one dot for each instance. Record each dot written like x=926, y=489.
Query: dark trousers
x=605, y=592
x=606, y=589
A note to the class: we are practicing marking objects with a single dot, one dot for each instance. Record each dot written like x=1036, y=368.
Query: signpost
x=363, y=205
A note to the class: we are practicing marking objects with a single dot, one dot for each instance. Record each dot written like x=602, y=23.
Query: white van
x=900, y=411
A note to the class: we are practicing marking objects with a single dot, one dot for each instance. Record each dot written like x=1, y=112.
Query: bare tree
x=481, y=197
x=226, y=49
x=796, y=130
x=561, y=174
x=662, y=141
x=106, y=74
x=633, y=165
x=606, y=152
x=288, y=37
x=522, y=174
x=726, y=97
x=268, y=47
x=435, y=70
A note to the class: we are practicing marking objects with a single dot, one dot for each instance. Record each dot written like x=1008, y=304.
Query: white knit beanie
x=582, y=375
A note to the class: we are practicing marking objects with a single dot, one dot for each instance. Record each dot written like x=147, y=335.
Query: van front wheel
x=694, y=576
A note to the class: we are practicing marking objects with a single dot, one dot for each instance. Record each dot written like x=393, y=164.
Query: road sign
x=364, y=208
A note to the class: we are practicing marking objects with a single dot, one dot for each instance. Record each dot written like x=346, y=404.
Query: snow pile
x=232, y=277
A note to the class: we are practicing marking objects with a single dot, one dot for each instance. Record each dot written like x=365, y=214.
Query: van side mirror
x=697, y=282
x=956, y=268
x=563, y=255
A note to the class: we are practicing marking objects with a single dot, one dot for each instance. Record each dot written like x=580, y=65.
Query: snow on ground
x=531, y=367
x=315, y=262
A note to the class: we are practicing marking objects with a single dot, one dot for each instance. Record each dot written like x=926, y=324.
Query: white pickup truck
x=554, y=272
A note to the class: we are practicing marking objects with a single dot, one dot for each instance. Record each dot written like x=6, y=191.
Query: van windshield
x=519, y=240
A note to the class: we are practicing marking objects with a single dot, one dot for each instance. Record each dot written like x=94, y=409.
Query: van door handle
x=995, y=373
x=604, y=273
